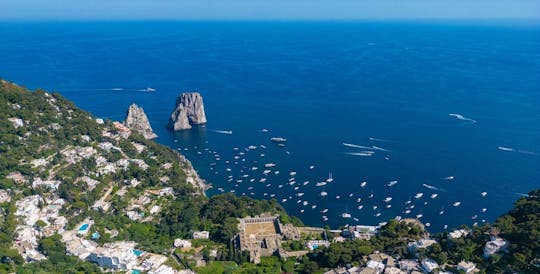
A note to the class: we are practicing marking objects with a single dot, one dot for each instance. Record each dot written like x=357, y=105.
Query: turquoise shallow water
x=318, y=84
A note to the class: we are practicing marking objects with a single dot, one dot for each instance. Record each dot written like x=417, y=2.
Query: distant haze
x=267, y=9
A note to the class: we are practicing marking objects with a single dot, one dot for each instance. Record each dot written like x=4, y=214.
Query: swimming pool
x=137, y=253
x=83, y=227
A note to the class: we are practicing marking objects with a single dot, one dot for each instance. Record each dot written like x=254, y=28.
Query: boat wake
x=363, y=153
x=432, y=187
x=463, y=118
x=365, y=147
x=229, y=132
x=378, y=140
x=510, y=149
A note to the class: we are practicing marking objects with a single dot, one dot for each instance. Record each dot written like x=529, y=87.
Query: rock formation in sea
x=189, y=111
x=137, y=120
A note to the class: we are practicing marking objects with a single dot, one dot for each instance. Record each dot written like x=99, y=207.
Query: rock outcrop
x=137, y=120
x=189, y=111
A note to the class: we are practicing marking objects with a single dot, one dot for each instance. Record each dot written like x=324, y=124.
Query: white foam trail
x=432, y=187
x=380, y=148
x=365, y=153
x=463, y=118
x=356, y=146
x=378, y=140
x=527, y=152
x=511, y=149
x=222, y=131
x=526, y=195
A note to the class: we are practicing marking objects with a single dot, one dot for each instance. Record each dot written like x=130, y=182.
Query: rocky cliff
x=137, y=120
x=189, y=110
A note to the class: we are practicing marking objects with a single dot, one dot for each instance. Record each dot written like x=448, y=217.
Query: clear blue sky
x=268, y=9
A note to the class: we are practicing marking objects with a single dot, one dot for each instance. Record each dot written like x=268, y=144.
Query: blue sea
x=442, y=108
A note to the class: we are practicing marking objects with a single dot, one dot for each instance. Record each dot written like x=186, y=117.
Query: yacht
x=278, y=139
x=457, y=204
x=363, y=184
x=330, y=179
x=392, y=183
x=324, y=193
x=387, y=199
x=418, y=195
x=149, y=89
x=346, y=215
x=320, y=184
x=360, y=207
x=484, y=210
x=434, y=195
x=484, y=194
x=324, y=210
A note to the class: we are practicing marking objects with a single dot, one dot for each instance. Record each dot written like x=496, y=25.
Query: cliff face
x=137, y=120
x=189, y=111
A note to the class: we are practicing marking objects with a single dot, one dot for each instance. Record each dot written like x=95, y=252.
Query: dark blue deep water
x=318, y=84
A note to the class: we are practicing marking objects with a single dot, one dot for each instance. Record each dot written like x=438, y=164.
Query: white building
x=495, y=245
x=467, y=267
x=422, y=243
x=114, y=256
x=201, y=235
x=182, y=243
x=428, y=265
x=458, y=233
x=377, y=266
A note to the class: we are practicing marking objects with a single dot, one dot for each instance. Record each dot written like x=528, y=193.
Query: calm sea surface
x=390, y=87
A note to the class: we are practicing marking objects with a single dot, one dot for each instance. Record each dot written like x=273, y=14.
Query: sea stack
x=189, y=111
x=137, y=120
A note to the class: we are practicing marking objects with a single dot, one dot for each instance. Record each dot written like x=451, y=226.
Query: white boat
x=418, y=216
x=283, y=200
x=484, y=194
x=292, y=173
x=338, y=197
x=311, y=167
x=305, y=183
x=320, y=184
x=484, y=210
x=251, y=147
x=346, y=215
x=323, y=193
x=387, y=199
x=305, y=203
x=449, y=178
x=360, y=207
x=418, y=195
x=434, y=195
x=300, y=194
x=149, y=89
x=407, y=211
x=363, y=184
x=392, y=183
x=378, y=214
x=457, y=204
x=278, y=139
x=388, y=206
x=358, y=200
x=356, y=219
x=324, y=210
x=330, y=179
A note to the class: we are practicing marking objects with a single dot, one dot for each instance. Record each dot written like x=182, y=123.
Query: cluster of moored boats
x=248, y=169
